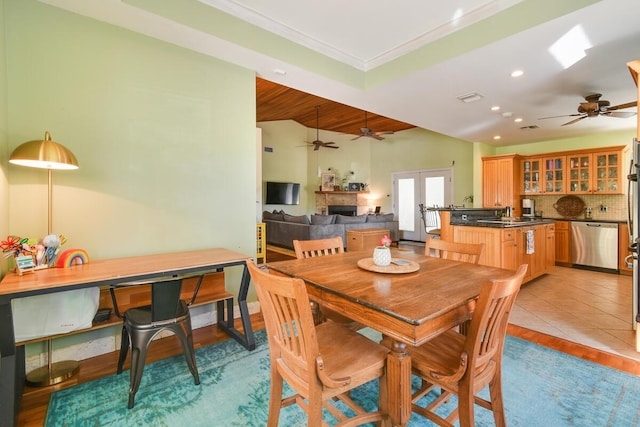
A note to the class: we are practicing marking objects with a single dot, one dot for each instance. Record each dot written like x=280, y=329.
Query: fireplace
x=346, y=210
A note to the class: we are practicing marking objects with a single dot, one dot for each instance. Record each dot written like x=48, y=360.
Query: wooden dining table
x=409, y=307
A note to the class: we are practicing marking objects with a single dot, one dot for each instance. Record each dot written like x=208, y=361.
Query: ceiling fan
x=368, y=133
x=317, y=143
x=593, y=107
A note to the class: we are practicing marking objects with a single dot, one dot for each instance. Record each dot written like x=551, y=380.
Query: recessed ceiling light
x=517, y=73
x=495, y=108
x=496, y=137
x=507, y=114
x=517, y=119
x=279, y=71
x=470, y=97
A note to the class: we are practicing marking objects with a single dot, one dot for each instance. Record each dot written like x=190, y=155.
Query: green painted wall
x=165, y=138
x=4, y=156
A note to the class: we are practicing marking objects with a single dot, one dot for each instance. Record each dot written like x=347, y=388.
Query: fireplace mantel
x=324, y=199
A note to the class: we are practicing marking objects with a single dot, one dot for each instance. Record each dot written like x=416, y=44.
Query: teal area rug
x=542, y=387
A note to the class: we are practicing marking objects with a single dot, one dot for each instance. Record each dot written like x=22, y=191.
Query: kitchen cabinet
x=500, y=178
x=506, y=248
x=553, y=175
x=563, y=243
x=509, y=255
x=542, y=175
x=531, y=172
x=595, y=172
x=623, y=249
x=550, y=249
x=536, y=259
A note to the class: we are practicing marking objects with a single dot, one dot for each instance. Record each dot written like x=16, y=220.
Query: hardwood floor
x=35, y=400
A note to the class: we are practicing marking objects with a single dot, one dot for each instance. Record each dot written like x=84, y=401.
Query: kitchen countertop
x=503, y=222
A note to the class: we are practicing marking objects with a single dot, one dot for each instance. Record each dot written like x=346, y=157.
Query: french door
x=410, y=189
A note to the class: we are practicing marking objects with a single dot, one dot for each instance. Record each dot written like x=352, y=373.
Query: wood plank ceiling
x=276, y=102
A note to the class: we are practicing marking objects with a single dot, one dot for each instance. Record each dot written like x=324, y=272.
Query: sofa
x=282, y=229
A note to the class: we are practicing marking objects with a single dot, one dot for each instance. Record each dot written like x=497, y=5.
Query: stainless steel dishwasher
x=594, y=244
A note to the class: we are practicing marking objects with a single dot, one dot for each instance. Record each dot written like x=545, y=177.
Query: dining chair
x=321, y=363
x=452, y=363
x=141, y=324
x=465, y=252
x=323, y=247
x=318, y=247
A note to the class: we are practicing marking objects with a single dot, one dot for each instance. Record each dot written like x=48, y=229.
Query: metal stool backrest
x=165, y=299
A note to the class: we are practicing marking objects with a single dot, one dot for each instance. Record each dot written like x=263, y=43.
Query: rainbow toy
x=72, y=257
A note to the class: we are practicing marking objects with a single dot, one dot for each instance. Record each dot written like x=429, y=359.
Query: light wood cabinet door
x=550, y=248
x=509, y=250
x=553, y=176
x=531, y=172
x=563, y=242
x=536, y=260
x=500, y=182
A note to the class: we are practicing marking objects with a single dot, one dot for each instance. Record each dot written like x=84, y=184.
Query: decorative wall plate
x=570, y=206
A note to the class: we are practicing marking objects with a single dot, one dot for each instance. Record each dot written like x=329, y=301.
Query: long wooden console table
x=101, y=273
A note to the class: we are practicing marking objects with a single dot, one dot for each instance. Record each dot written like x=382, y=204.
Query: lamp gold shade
x=46, y=154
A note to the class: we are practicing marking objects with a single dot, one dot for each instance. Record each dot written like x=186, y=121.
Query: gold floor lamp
x=47, y=154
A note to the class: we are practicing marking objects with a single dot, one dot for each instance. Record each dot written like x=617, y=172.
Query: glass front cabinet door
x=595, y=173
x=531, y=176
x=607, y=172
x=554, y=181
x=579, y=174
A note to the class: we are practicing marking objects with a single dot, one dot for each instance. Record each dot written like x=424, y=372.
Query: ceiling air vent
x=470, y=97
x=530, y=127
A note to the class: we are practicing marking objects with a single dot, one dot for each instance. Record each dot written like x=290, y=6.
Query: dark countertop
x=504, y=223
x=610, y=221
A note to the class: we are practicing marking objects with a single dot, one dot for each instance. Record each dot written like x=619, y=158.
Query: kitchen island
x=508, y=242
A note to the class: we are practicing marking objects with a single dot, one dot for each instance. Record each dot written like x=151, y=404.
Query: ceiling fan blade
x=374, y=136
x=619, y=114
x=357, y=137
x=555, y=117
x=575, y=120
x=387, y=132
x=623, y=106
x=332, y=146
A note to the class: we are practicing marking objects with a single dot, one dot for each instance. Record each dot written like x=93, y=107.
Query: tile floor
x=582, y=306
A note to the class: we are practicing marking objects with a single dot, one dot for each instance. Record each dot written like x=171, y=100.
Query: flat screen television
x=283, y=193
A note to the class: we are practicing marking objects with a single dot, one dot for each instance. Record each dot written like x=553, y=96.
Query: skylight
x=571, y=47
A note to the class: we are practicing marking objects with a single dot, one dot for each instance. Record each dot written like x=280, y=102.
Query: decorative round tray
x=569, y=206
x=410, y=267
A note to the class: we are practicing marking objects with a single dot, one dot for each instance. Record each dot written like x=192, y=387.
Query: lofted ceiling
x=409, y=62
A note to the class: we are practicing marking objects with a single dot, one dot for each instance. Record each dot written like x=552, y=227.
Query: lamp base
x=59, y=372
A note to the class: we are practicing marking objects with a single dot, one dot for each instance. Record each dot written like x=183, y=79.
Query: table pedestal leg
x=399, y=384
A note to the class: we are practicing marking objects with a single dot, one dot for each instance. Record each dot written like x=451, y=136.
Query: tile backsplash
x=616, y=206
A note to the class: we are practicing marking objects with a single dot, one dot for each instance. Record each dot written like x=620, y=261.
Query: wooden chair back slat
x=318, y=247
